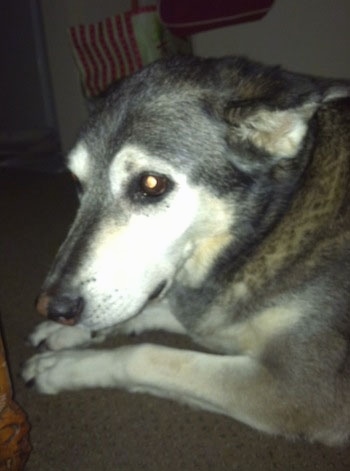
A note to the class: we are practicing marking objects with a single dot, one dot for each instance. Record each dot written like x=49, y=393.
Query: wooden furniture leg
x=14, y=428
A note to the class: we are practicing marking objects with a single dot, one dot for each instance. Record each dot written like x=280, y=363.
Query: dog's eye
x=154, y=185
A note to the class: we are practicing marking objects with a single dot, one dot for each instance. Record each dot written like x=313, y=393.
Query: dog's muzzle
x=64, y=309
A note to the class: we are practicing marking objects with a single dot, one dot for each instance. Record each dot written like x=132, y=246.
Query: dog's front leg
x=50, y=335
x=156, y=316
x=183, y=375
x=235, y=386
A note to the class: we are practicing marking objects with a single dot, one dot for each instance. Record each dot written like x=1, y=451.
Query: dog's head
x=180, y=161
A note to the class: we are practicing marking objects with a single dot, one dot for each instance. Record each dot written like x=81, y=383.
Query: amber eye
x=154, y=185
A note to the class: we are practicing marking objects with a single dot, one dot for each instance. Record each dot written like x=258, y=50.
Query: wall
x=58, y=16
x=304, y=35
x=311, y=36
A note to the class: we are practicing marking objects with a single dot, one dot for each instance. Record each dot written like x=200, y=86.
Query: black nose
x=65, y=309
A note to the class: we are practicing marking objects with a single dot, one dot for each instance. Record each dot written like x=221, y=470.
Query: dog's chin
x=99, y=321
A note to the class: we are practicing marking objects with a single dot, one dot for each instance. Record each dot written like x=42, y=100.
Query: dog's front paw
x=50, y=335
x=49, y=372
x=52, y=372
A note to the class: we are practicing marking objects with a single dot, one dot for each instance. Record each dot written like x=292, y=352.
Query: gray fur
x=267, y=286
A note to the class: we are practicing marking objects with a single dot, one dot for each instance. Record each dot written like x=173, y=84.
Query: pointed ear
x=335, y=90
x=277, y=132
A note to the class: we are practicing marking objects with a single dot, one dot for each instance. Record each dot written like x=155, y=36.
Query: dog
x=214, y=202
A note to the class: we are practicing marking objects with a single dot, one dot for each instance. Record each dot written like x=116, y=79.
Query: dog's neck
x=315, y=211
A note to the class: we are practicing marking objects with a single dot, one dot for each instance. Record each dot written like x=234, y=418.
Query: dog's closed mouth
x=157, y=292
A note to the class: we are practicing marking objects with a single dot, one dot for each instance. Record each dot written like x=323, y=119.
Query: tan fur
x=216, y=237
x=249, y=337
x=204, y=257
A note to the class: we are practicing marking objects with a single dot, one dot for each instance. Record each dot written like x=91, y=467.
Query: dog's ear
x=278, y=132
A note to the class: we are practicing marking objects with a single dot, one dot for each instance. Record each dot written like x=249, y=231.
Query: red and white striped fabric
x=117, y=46
x=108, y=50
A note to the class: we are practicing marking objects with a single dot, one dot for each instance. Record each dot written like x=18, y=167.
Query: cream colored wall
x=58, y=15
x=311, y=36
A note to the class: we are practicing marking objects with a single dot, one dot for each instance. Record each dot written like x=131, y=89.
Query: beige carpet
x=112, y=430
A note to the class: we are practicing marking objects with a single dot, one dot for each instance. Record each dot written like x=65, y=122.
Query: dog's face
x=139, y=222
x=174, y=169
